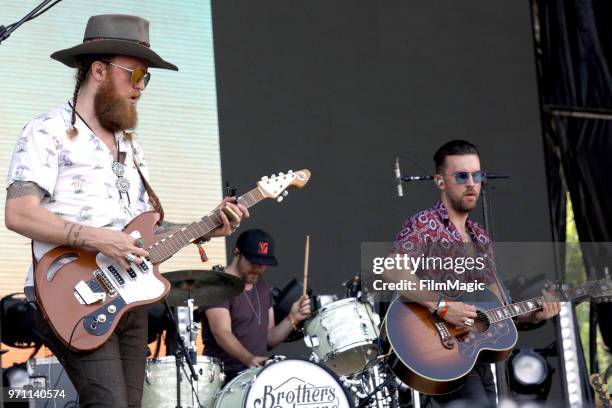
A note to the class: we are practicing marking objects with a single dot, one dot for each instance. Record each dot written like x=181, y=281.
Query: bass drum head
x=291, y=383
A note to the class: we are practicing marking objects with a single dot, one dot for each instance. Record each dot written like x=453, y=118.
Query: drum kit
x=346, y=367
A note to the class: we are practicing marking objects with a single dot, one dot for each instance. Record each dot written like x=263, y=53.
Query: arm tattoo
x=25, y=188
x=74, y=230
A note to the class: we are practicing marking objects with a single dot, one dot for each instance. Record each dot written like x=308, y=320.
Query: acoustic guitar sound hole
x=481, y=323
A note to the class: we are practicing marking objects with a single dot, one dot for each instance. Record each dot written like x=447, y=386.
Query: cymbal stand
x=180, y=353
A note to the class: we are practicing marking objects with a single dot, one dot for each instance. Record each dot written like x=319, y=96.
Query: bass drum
x=160, y=383
x=284, y=383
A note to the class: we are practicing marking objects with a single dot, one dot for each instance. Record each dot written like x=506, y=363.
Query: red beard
x=113, y=111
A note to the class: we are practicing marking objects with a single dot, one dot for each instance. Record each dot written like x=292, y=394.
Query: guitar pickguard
x=135, y=284
x=496, y=337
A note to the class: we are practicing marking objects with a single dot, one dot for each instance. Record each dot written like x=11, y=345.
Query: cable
x=69, y=346
x=188, y=376
x=416, y=164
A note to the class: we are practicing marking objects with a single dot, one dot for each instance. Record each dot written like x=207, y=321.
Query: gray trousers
x=113, y=375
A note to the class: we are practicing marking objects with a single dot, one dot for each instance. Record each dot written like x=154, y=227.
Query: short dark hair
x=456, y=147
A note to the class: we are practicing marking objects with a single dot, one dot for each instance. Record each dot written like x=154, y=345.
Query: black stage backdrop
x=342, y=88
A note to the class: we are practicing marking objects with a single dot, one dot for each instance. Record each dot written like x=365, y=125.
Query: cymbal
x=205, y=287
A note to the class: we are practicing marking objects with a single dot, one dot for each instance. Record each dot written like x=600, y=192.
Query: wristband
x=443, y=311
x=293, y=323
x=440, y=306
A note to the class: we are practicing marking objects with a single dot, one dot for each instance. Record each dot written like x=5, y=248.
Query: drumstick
x=306, y=256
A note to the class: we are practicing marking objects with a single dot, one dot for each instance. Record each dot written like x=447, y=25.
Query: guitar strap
x=153, y=199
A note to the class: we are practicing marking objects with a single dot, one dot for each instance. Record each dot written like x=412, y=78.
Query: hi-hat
x=205, y=287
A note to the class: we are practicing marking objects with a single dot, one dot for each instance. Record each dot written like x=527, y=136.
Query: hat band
x=145, y=44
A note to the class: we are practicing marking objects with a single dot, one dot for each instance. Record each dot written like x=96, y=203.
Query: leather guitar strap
x=153, y=199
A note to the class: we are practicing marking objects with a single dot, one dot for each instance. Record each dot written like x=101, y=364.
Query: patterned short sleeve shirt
x=431, y=229
x=77, y=173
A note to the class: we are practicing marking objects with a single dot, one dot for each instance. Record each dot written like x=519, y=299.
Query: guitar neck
x=168, y=246
x=530, y=305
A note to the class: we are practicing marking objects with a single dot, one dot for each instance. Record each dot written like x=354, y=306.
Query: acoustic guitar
x=433, y=357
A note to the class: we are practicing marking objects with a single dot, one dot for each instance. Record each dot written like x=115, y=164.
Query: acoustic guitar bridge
x=445, y=336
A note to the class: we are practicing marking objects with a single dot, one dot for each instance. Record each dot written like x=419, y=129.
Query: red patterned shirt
x=430, y=232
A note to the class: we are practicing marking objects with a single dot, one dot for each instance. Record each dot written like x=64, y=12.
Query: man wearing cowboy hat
x=77, y=177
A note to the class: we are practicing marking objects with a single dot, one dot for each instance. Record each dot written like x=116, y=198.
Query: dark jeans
x=113, y=375
x=478, y=391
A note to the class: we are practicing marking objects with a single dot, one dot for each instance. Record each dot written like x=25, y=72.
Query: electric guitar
x=434, y=357
x=83, y=294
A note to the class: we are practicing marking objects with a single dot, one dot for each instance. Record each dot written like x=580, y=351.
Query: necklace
x=122, y=184
x=257, y=315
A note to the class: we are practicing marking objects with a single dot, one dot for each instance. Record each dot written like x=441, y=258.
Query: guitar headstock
x=598, y=290
x=275, y=186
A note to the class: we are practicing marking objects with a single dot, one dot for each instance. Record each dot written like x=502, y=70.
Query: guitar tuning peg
x=279, y=199
x=285, y=193
x=264, y=178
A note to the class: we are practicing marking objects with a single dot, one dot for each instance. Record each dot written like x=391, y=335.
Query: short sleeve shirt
x=77, y=174
x=433, y=228
x=251, y=331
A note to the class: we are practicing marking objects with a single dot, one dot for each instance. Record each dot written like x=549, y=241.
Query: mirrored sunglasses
x=137, y=74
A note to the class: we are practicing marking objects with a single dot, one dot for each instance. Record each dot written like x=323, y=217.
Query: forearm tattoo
x=25, y=188
x=72, y=237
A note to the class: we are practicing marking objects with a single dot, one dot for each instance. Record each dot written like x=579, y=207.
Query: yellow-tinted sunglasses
x=138, y=74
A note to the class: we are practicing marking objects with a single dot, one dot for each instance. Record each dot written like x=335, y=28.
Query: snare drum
x=285, y=383
x=160, y=383
x=343, y=335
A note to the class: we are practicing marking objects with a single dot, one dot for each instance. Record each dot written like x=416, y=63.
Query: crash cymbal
x=205, y=287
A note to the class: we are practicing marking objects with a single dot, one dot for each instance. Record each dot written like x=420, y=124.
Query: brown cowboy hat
x=116, y=34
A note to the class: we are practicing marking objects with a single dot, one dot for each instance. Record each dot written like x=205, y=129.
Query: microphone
x=416, y=178
x=398, y=178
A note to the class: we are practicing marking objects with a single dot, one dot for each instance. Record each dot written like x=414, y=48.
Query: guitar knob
x=285, y=193
x=264, y=178
x=280, y=174
x=279, y=199
x=273, y=175
x=290, y=172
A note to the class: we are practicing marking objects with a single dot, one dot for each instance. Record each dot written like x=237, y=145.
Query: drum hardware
x=323, y=300
x=181, y=353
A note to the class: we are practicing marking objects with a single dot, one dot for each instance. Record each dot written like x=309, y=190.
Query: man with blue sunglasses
x=447, y=228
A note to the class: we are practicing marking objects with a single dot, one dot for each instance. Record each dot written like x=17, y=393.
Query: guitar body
x=434, y=358
x=70, y=297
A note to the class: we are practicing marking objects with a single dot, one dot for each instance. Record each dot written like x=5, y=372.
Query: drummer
x=240, y=331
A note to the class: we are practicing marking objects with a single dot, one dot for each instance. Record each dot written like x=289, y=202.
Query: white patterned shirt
x=77, y=174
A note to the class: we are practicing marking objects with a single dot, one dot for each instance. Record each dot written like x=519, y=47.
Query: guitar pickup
x=143, y=265
x=116, y=274
x=87, y=295
x=131, y=272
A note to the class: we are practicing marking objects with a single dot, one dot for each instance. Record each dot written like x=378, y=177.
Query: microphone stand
x=5, y=32
x=179, y=354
